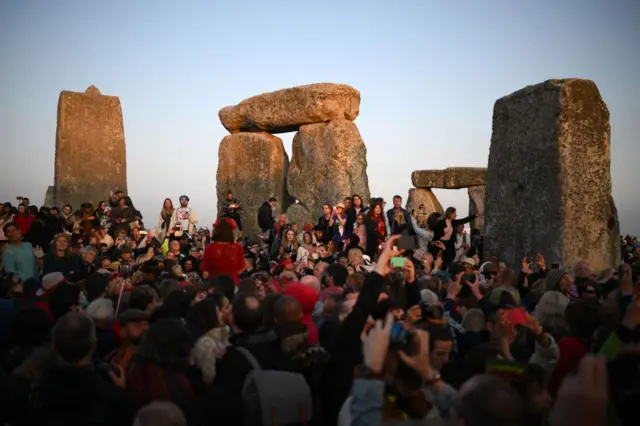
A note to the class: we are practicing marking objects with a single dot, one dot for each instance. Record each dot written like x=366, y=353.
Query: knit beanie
x=553, y=278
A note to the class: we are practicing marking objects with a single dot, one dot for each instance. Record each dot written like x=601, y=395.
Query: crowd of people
x=370, y=316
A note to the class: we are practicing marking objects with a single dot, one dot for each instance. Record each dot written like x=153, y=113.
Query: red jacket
x=307, y=297
x=24, y=223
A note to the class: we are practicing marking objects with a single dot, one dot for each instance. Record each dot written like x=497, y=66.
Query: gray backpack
x=275, y=398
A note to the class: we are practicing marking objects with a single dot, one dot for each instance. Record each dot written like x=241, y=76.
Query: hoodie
x=307, y=297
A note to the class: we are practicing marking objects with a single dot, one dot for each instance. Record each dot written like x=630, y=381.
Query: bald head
x=312, y=282
x=487, y=400
x=288, y=311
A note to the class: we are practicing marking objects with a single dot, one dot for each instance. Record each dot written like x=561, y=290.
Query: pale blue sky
x=429, y=73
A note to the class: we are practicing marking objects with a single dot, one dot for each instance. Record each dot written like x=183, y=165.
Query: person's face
x=254, y=249
x=175, y=246
x=126, y=256
x=13, y=233
x=322, y=251
x=343, y=261
x=62, y=244
x=66, y=210
x=262, y=293
x=565, y=283
x=538, y=400
x=340, y=210
x=122, y=202
x=357, y=201
x=90, y=257
x=54, y=212
x=171, y=255
x=167, y=204
x=347, y=204
x=326, y=210
x=440, y=354
x=224, y=311
x=460, y=229
x=229, y=196
x=134, y=331
x=377, y=210
x=272, y=204
x=290, y=236
x=136, y=233
x=188, y=266
x=105, y=264
x=397, y=202
x=582, y=270
x=283, y=219
x=360, y=219
x=319, y=270
x=589, y=293
x=184, y=202
x=102, y=206
x=307, y=238
x=22, y=209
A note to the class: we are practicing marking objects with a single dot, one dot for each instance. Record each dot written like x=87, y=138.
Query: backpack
x=275, y=398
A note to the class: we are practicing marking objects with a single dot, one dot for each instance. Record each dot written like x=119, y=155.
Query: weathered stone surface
x=549, y=180
x=296, y=213
x=476, y=205
x=328, y=163
x=423, y=196
x=253, y=166
x=288, y=109
x=90, y=155
x=451, y=178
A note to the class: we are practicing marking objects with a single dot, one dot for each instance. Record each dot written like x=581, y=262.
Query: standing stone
x=328, y=163
x=296, y=213
x=90, y=159
x=549, y=182
x=451, y=178
x=476, y=205
x=423, y=196
x=288, y=109
x=253, y=166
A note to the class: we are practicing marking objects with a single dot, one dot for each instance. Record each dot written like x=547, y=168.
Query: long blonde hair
x=166, y=212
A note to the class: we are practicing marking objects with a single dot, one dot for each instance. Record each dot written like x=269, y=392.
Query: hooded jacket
x=307, y=297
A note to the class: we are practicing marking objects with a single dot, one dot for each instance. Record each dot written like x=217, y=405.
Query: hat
x=488, y=268
x=101, y=310
x=50, y=281
x=340, y=205
x=455, y=268
x=469, y=261
x=444, y=276
x=553, y=278
x=132, y=315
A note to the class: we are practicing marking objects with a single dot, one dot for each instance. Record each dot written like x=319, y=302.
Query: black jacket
x=222, y=403
x=265, y=217
x=396, y=228
x=78, y=396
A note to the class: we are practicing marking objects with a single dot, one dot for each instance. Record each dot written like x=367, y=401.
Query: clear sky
x=429, y=73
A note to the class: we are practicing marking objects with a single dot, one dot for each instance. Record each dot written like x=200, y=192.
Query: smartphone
x=398, y=262
x=407, y=243
x=515, y=316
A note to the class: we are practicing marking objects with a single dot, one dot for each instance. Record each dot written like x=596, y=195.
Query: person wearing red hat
x=307, y=297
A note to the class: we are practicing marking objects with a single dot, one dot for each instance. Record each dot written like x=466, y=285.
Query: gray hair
x=474, y=320
x=101, y=310
x=160, y=413
x=311, y=281
x=552, y=304
x=89, y=249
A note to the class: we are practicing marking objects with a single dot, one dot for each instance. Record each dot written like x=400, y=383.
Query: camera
x=400, y=338
x=431, y=313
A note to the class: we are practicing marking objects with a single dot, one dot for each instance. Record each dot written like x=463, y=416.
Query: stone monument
x=548, y=178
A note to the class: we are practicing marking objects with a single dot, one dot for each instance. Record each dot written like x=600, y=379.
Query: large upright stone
x=254, y=167
x=328, y=163
x=476, y=205
x=90, y=157
x=549, y=183
x=288, y=109
x=451, y=178
x=423, y=197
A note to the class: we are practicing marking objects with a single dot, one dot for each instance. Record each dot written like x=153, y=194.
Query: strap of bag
x=252, y=360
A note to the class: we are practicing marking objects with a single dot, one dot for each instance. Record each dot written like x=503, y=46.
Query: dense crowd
x=368, y=316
